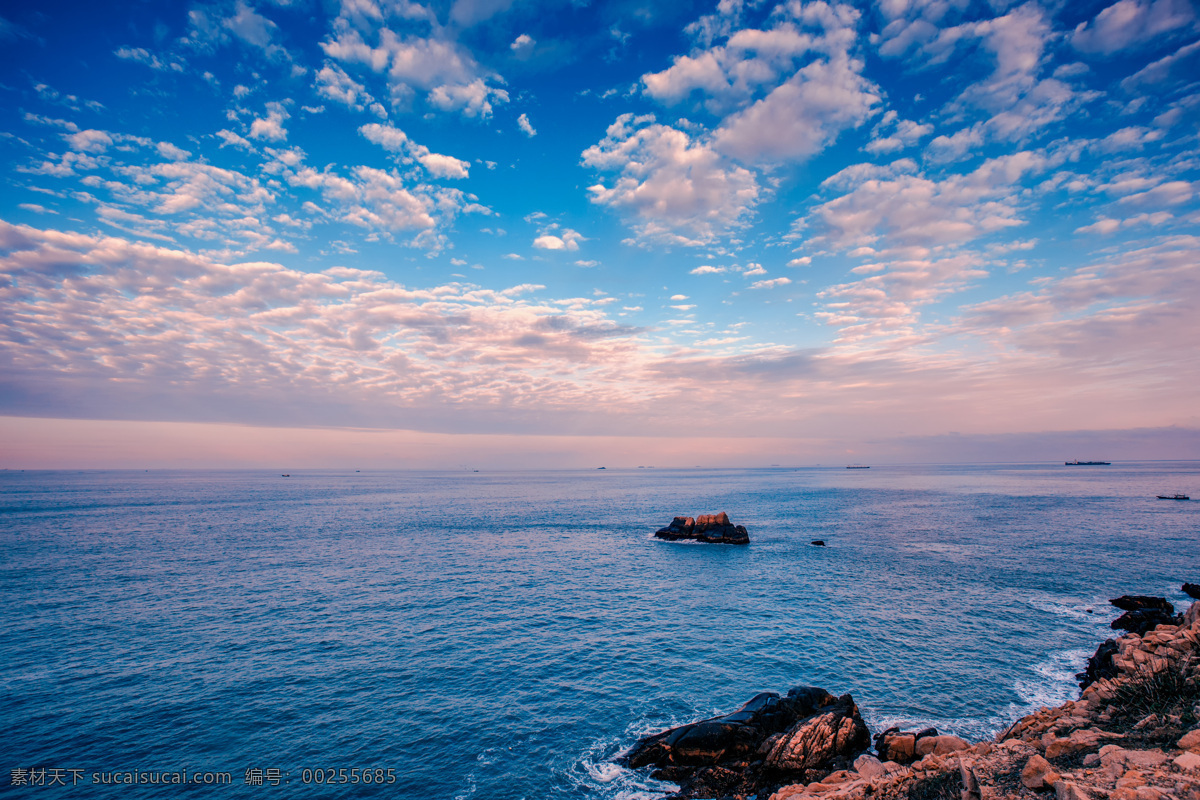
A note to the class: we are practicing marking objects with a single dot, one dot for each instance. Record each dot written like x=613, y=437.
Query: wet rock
x=1192, y=590
x=819, y=542
x=1139, y=602
x=714, y=528
x=835, y=733
x=1100, y=665
x=768, y=742
x=1143, y=620
x=901, y=746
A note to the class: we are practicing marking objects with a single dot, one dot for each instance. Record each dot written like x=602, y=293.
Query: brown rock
x=836, y=731
x=1067, y=790
x=1037, y=772
x=1190, y=741
x=946, y=744
x=1188, y=762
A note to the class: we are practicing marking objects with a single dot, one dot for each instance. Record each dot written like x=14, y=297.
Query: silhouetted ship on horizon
x=1078, y=463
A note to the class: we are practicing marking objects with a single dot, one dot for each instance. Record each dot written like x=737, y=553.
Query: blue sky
x=831, y=224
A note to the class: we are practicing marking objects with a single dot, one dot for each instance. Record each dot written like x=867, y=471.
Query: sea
x=506, y=635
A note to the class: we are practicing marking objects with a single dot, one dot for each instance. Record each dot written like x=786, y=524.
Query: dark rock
x=1142, y=620
x=1137, y=602
x=900, y=746
x=819, y=542
x=1192, y=590
x=715, y=528
x=769, y=742
x=1099, y=665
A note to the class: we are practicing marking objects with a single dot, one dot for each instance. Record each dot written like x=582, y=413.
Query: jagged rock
x=1143, y=620
x=715, y=528
x=1190, y=741
x=1038, y=774
x=1192, y=590
x=901, y=746
x=1138, y=602
x=1100, y=665
x=819, y=542
x=766, y=743
x=837, y=731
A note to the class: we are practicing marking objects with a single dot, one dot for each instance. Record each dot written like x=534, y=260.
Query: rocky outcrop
x=768, y=742
x=715, y=528
x=1133, y=735
x=1192, y=590
x=1100, y=665
x=1142, y=613
x=903, y=746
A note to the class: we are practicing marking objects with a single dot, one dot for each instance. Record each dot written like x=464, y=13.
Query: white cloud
x=707, y=269
x=450, y=76
x=770, y=284
x=397, y=141
x=231, y=139
x=1128, y=23
x=523, y=45
x=89, y=141
x=270, y=127
x=567, y=240
x=677, y=189
x=524, y=124
x=250, y=26
x=333, y=83
x=803, y=116
x=904, y=133
x=904, y=209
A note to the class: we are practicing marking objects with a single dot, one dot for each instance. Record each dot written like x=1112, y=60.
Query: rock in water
x=1142, y=620
x=819, y=542
x=768, y=742
x=1192, y=590
x=1137, y=602
x=715, y=528
x=1100, y=665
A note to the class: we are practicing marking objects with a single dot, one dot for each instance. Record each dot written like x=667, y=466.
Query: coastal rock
x=769, y=741
x=1038, y=774
x=869, y=766
x=902, y=746
x=1143, y=620
x=714, y=528
x=1192, y=590
x=1100, y=665
x=819, y=542
x=1139, y=602
x=834, y=734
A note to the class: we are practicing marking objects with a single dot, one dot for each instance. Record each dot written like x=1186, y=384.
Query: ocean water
x=505, y=635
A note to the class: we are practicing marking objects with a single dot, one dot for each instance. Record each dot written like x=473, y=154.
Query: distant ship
x=1173, y=497
x=1078, y=463
x=857, y=466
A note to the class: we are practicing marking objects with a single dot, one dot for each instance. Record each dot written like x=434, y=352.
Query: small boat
x=1078, y=463
x=1173, y=497
x=857, y=466
x=286, y=475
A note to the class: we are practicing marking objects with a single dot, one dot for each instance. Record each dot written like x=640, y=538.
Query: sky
x=519, y=233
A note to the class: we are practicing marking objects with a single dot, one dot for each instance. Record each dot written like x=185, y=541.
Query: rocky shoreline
x=1134, y=734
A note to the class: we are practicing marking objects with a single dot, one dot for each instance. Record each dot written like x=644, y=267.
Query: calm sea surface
x=504, y=635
